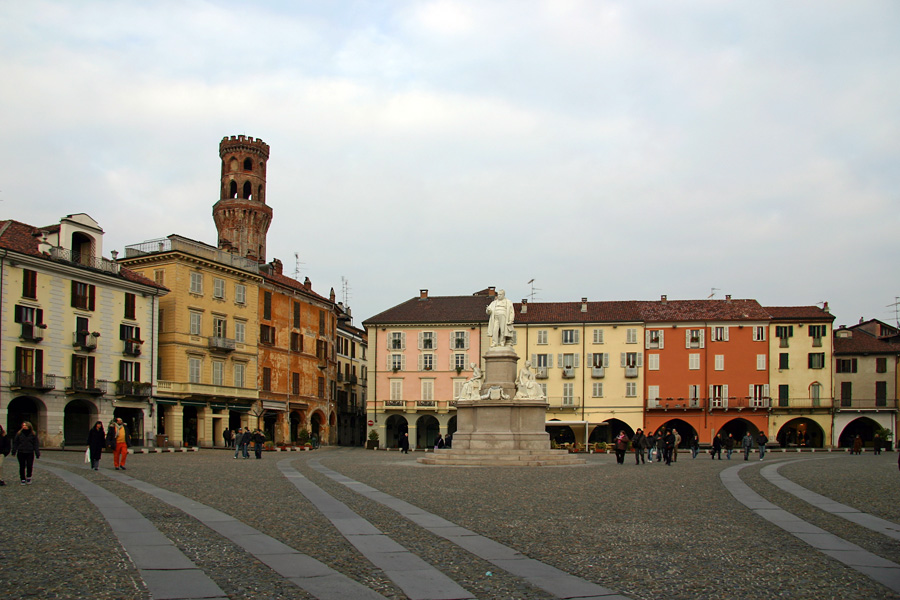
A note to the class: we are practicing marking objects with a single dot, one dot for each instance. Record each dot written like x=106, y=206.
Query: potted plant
x=372, y=444
x=459, y=370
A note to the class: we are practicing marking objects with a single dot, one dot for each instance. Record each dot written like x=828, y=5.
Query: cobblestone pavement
x=644, y=532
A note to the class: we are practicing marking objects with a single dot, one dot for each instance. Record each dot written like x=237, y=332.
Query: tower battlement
x=243, y=143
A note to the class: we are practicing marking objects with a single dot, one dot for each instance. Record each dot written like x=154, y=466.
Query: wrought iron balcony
x=133, y=347
x=631, y=371
x=865, y=404
x=221, y=344
x=84, y=385
x=84, y=341
x=85, y=260
x=138, y=389
x=597, y=372
x=32, y=381
x=32, y=332
x=568, y=373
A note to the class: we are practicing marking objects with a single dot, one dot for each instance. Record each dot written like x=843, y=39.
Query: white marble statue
x=471, y=389
x=526, y=384
x=500, y=324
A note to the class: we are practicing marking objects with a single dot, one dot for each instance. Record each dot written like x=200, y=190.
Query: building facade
x=351, y=379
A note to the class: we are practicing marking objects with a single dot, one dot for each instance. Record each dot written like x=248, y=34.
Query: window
x=267, y=305
x=845, y=365
x=129, y=306
x=718, y=396
x=846, y=393
x=815, y=393
x=694, y=338
x=295, y=384
x=880, y=393
x=240, y=293
x=296, y=341
x=542, y=337
x=29, y=366
x=784, y=360
x=459, y=361
x=784, y=333
x=218, y=372
x=694, y=395
x=82, y=295
x=457, y=387
x=321, y=387
x=631, y=336
x=426, y=340
x=760, y=362
x=267, y=379
x=568, y=361
x=195, y=323
x=428, y=390
x=267, y=334
x=194, y=365
x=460, y=340
x=654, y=339
x=396, y=361
x=397, y=341
x=817, y=332
x=630, y=389
x=653, y=394
x=598, y=359
x=720, y=334
x=816, y=360
x=568, y=398
x=784, y=395
x=694, y=362
x=83, y=372
x=881, y=365
x=219, y=288
x=544, y=361
x=220, y=327
x=396, y=389
x=297, y=315
x=632, y=359
x=426, y=362
x=758, y=394
x=569, y=336
x=597, y=389
x=321, y=322
x=759, y=333
x=29, y=284
x=598, y=336
x=131, y=335
x=29, y=315
x=196, y=283
x=240, y=372
x=159, y=276
x=653, y=362
x=720, y=362
x=240, y=335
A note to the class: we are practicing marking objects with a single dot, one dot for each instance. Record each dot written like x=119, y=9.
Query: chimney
x=277, y=266
x=727, y=297
x=663, y=299
x=825, y=307
x=423, y=294
x=307, y=283
x=331, y=295
x=524, y=308
x=492, y=290
x=860, y=320
x=584, y=305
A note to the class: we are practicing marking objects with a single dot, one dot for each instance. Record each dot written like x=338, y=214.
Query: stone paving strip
x=418, y=579
x=166, y=571
x=543, y=576
x=881, y=570
x=876, y=524
x=305, y=572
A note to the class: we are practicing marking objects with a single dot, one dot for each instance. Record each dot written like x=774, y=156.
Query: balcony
x=84, y=385
x=185, y=389
x=176, y=243
x=353, y=379
x=568, y=373
x=426, y=404
x=540, y=373
x=340, y=376
x=563, y=403
x=139, y=389
x=32, y=381
x=132, y=347
x=32, y=333
x=683, y=404
x=84, y=341
x=631, y=372
x=395, y=403
x=865, y=404
x=739, y=403
x=221, y=344
x=85, y=260
x=801, y=403
x=597, y=372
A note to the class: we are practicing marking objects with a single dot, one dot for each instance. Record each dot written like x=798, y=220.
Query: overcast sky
x=613, y=150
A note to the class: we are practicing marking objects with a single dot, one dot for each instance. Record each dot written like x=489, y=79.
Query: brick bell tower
x=241, y=215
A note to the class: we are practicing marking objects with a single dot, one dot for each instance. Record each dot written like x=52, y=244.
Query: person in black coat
x=245, y=443
x=26, y=447
x=717, y=447
x=5, y=447
x=259, y=439
x=404, y=443
x=96, y=442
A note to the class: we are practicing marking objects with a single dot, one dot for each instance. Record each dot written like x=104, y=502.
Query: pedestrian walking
x=677, y=444
x=117, y=439
x=660, y=444
x=729, y=446
x=259, y=439
x=26, y=447
x=650, y=442
x=695, y=446
x=315, y=441
x=226, y=437
x=621, y=446
x=439, y=442
x=404, y=443
x=857, y=445
x=876, y=444
x=5, y=447
x=96, y=441
x=236, y=441
x=245, y=443
x=717, y=447
x=669, y=446
x=761, y=441
x=747, y=445
x=638, y=443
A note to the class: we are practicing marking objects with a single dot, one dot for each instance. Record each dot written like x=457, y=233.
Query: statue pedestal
x=501, y=430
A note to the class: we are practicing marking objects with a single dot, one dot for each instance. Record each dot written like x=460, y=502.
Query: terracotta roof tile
x=435, y=309
x=703, y=310
x=799, y=313
x=570, y=312
x=862, y=342
x=292, y=283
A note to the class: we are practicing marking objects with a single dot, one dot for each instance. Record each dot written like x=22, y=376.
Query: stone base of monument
x=501, y=430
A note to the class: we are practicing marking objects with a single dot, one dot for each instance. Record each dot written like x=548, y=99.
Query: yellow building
x=207, y=335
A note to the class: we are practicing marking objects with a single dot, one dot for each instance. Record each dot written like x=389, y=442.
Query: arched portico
x=801, y=433
x=561, y=434
x=78, y=417
x=427, y=430
x=394, y=428
x=684, y=429
x=26, y=408
x=865, y=427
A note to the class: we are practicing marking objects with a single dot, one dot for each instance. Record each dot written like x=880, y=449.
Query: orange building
x=706, y=369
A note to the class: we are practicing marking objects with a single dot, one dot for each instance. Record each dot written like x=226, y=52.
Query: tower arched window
x=232, y=189
x=248, y=190
x=233, y=164
x=248, y=164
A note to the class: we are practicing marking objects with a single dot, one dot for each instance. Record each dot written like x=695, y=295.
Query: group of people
x=25, y=446
x=664, y=443
x=241, y=442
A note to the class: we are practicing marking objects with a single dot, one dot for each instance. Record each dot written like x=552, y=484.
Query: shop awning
x=279, y=406
x=169, y=401
x=239, y=408
x=193, y=403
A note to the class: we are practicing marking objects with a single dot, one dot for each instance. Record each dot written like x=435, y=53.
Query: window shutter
x=90, y=370
x=38, y=362
x=550, y=361
x=534, y=360
x=403, y=340
x=74, y=363
x=766, y=390
x=73, y=295
x=559, y=358
x=388, y=366
x=402, y=362
x=687, y=338
x=606, y=359
x=752, y=389
x=20, y=314
x=623, y=359
x=710, y=391
x=91, y=292
x=703, y=338
x=467, y=339
x=123, y=334
x=452, y=361
x=577, y=337
x=137, y=371
x=646, y=340
x=725, y=391
x=661, y=332
x=577, y=360
x=640, y=359
x=421, y=336
x=421, y=362
x=122, y=370
x=726, y=332
x=589, y=359
x=19, y=360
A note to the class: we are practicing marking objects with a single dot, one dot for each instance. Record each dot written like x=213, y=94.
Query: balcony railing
x=138, y=389
x=597, y=372
x=132, y=348
x=221, y=344
x=540, y=373
x=631, y=371
x=353, y=379
x=85, y=260
x=568, y=372
x=32, y=381
x=865, y=403
x=675, y=403
x=801, y=403
x=399, y=403
x=84, y=341
x=176, y=243
x=563, y=402
x=426, y=404
x=32, y=332
x=177, y=388
x=84, y=385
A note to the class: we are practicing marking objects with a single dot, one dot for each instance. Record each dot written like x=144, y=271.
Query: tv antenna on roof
x=533, y=294
x=896, y=306
x=712, y=292
x=345, y=291
x=297, y=264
